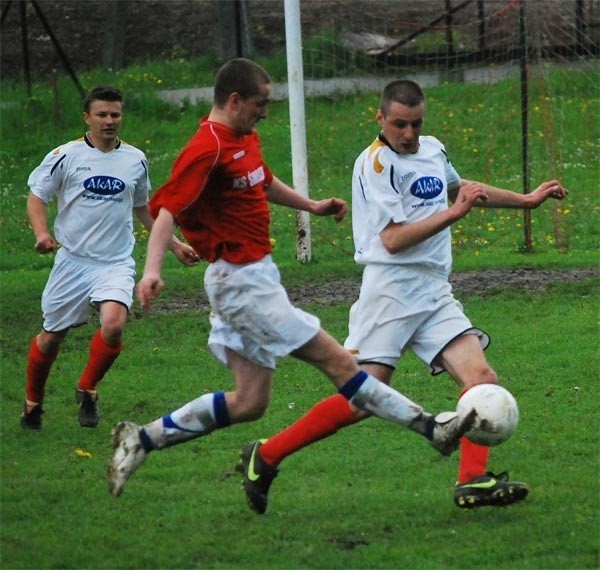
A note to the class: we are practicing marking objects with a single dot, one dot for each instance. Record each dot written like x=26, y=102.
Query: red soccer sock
x=473, y=459
x=38, y=369
x=102, y=356
x=322, y=420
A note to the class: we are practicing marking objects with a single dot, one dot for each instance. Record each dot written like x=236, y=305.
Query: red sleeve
x=188, y=178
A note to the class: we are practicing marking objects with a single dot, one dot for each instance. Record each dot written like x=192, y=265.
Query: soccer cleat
x=258, y=476
x=489, y=490
x=129, y=455
x=448, y=428
x=33, y=418
x=89, y=416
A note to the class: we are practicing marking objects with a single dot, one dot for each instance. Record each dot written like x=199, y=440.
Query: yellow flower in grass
x=82, y=453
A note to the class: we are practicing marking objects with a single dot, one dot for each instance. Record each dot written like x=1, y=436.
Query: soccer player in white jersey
x=401, y=222
x=98, y=181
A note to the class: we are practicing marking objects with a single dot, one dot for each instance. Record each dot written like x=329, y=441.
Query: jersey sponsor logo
x=240, y=183
x=104, y=185
x=256, y=176
x=80, y=168
x=427, y=187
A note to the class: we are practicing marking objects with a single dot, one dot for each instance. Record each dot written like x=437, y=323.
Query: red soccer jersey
x=217, y=195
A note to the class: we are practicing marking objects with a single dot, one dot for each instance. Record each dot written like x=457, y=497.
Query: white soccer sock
x=194, y=419
x=385, y=402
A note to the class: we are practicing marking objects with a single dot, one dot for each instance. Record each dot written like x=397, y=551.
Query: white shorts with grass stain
x=251, y=313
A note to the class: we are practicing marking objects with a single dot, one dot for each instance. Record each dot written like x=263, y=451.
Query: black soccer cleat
x=89, y=415
x=489, y=490
x=33, y=418
x=258, y=476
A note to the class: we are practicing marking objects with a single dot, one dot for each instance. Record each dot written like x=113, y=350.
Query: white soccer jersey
x=96, y=192
x=387, y=186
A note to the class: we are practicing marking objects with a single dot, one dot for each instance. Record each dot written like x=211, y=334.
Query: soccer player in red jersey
x=218, y=195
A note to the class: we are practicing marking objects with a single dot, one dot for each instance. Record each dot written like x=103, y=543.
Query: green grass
x=373, y=496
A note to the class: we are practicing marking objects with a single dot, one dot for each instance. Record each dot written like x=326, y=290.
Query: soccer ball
x=497, y=413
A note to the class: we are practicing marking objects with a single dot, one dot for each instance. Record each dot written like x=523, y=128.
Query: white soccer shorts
x=251, y=313
x=400, y=308
x=75, y=284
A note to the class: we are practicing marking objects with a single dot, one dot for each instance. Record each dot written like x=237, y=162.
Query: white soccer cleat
x=449, y=428
x=129, y=455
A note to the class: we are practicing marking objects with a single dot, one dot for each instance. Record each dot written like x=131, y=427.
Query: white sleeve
x=46, y=180
x=143, y=186
x=384, y=191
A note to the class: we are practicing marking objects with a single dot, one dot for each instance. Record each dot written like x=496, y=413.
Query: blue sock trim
x=220, y=408
x=169, y=423
x=146, y=441
x=349, y=389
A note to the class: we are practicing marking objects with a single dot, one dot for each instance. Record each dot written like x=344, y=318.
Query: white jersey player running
x=405, y=197
x=98, y=182
x=418, y=309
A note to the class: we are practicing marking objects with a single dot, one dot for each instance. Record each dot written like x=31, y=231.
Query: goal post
x=293, y=35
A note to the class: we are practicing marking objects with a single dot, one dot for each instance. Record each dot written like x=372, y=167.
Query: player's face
x=401, y=126
x=104, y=121
x=252, y=110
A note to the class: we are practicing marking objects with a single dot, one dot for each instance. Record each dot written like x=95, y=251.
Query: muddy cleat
x=89, y=416
x=258, y=476
x=448, y=428
x=32, y=419
x=129, y=455
x=489, y=490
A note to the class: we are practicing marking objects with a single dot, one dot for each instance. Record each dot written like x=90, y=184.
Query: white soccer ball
x=497, y=413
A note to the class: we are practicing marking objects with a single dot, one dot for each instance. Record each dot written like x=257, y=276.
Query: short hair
x=101, y=93
x=401, y=91
x=240, y=76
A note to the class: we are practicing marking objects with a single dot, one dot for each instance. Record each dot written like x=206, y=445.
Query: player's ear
x=234, y=99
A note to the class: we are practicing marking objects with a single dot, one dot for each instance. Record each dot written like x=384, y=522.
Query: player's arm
x=397, y=237
x=38, y=218
x=160, y=239
x=182, y=251
x=501, y=198
x=280, y=193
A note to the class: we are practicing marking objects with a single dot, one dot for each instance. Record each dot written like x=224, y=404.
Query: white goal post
x=293, y=40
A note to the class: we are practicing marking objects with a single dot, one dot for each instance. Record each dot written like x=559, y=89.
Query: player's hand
x=45, y=243
x=550, y=189
x=148, y=289
x=468, y=195
x=331, y=207
x=185, y=253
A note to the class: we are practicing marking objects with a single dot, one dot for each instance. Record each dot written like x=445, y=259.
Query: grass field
x=374, y=496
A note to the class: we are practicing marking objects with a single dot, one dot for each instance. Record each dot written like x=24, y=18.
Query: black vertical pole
x=449, y=38
x=579, y=25
x=481, y=18
x=59, y=50
x=525, y=120
x=239, y=44
x=25, y=47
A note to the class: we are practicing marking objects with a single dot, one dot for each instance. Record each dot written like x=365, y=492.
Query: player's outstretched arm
x=502, y=198
x=159, y=241
x=280, y=193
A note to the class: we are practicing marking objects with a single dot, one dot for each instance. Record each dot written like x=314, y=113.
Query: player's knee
x=245, y=410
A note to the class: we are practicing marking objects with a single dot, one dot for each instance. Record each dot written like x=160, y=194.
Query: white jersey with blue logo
x=96, y=192
x=387, y=186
